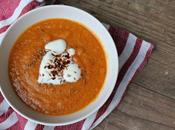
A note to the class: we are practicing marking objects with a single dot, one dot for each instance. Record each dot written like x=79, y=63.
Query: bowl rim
x=92, y=111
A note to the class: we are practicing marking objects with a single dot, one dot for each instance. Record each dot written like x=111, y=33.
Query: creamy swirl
x=57, y=65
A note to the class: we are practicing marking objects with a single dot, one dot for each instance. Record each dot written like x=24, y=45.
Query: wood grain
x=150, y=100
x=147, y=105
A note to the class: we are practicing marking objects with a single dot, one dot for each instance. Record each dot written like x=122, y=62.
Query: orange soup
x=57, y=99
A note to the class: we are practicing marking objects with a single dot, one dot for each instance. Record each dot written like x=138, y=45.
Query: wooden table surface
x=150, y=101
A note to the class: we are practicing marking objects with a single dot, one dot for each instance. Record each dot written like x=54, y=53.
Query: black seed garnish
x=53, y=78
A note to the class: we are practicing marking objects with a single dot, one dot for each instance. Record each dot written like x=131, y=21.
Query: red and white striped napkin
x=133, y=55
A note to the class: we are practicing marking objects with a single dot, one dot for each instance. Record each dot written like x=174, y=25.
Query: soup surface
x=26, y=56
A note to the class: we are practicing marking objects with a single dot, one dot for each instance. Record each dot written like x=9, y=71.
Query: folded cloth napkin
x=133, y=55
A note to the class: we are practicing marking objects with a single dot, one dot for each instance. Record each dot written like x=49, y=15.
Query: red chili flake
x=58, y=64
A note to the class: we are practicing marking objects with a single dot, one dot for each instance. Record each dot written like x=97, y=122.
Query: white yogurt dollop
x=72, y=73
x=56, y=46
x=71, y=51
x=57, y=65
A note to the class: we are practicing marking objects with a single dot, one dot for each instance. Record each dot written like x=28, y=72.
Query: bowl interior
x=43, y=13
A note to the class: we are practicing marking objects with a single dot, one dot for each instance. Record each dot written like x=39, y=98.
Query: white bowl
x=57, y=11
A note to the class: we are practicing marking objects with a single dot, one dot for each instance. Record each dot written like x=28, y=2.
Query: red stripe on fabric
x=145, y=61
x=1, y=97
x=7, y=8
x=120, y=37
x=39, y=127
x=75, y=126
x=22, y=121
x=3, y=29
x=120, y=77
x=16, y=126
x=130, y=59
x=6, y=114
x=27, y=8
